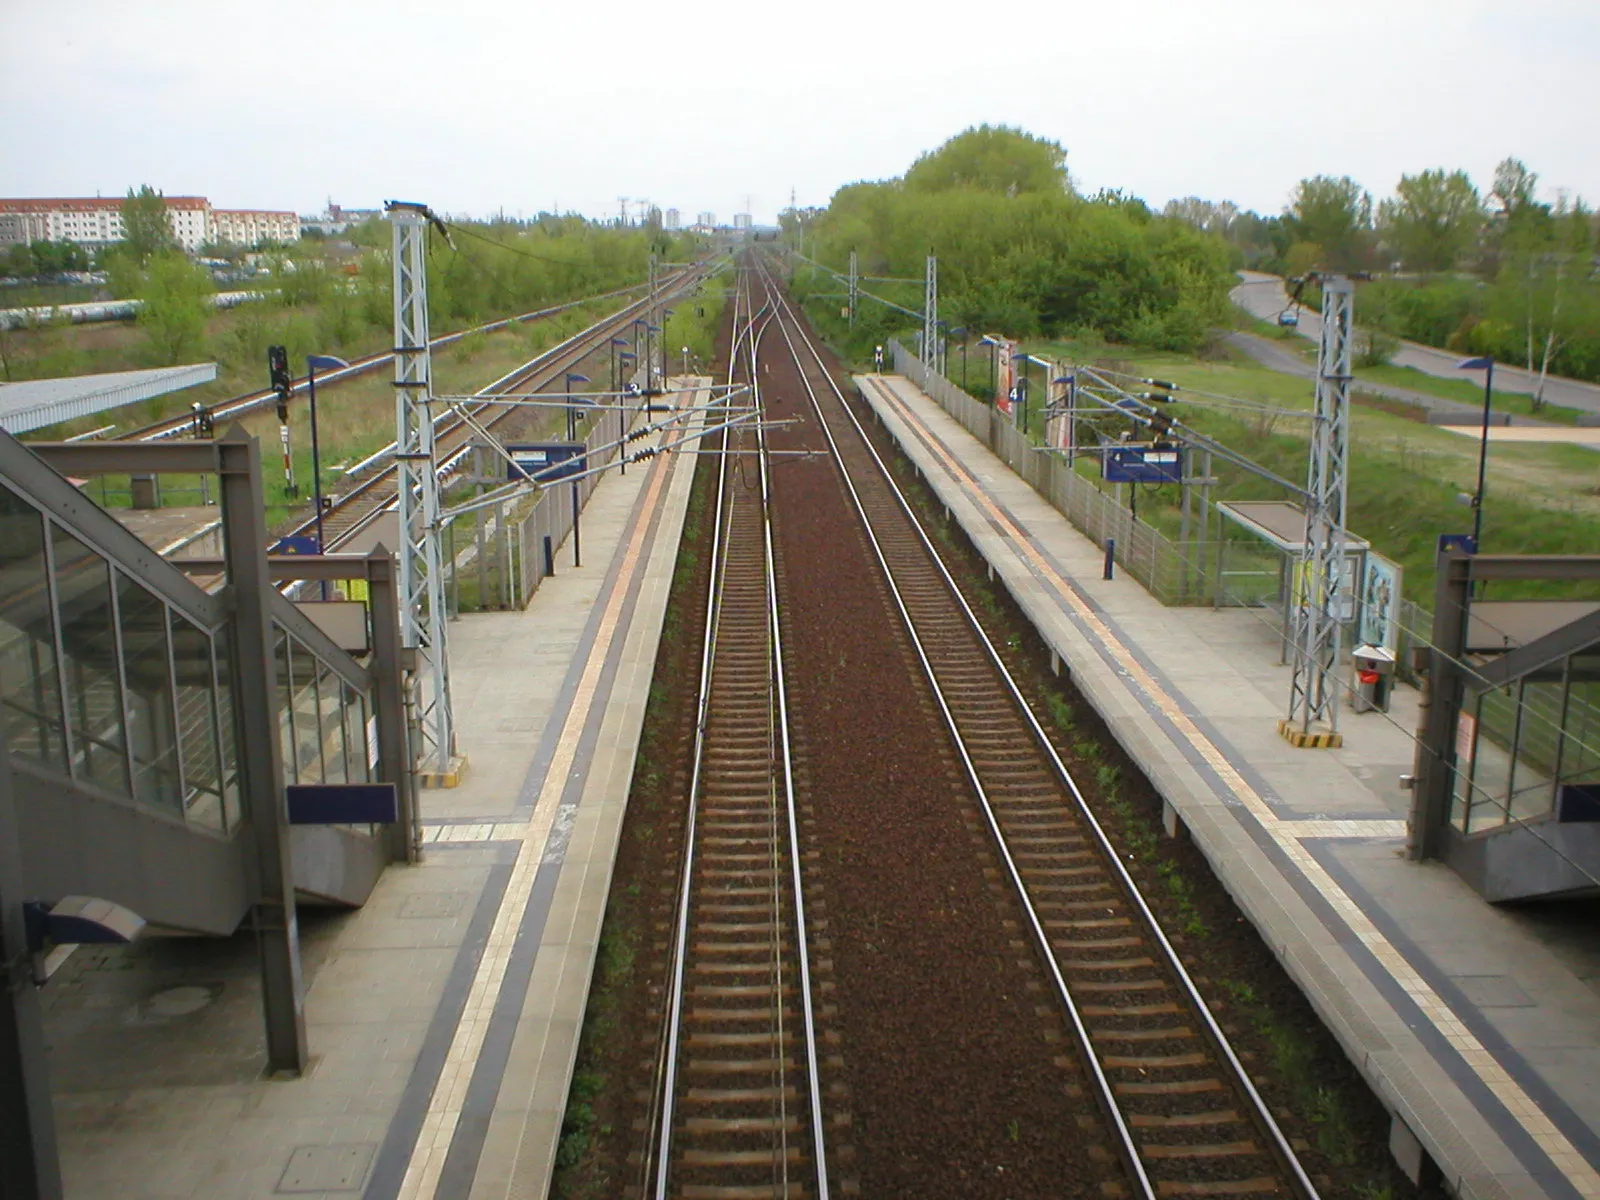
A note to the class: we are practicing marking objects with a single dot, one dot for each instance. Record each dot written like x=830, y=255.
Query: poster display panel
x=1380, y=603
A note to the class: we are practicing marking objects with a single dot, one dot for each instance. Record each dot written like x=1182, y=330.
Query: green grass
x=1466, y=390
x=1405, y=476
x=1294, y=1059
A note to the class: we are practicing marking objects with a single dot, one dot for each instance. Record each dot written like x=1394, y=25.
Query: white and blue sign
x=545, y=462
x=1142, y=464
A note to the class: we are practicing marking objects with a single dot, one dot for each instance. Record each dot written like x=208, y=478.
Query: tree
x=146, y=228
x=1335, y=214
x=1433, y=219
x=992, y=158
x=173, y=313
x=1514, y=186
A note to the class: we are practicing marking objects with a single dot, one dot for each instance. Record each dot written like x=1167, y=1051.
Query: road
x=1276, y=357
x=1263, y=296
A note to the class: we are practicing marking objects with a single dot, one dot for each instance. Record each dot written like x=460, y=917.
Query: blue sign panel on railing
x=342, y=803
x=296, y=545
x=546, y=462
x=1142, y=464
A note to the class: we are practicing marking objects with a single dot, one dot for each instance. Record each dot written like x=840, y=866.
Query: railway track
x=737, y=1111
x=1180, y=1108
x=372, y=489
x=239, y=406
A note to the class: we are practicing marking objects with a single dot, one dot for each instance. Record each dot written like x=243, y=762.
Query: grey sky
x=477, y=104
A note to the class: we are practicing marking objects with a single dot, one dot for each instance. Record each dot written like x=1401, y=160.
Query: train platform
x=1478, y=1027
x=444, y=1016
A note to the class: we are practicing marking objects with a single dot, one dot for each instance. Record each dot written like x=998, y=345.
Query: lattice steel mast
x=1314, y=691
x=930, y=315
x=422, y=604
x=855, y=285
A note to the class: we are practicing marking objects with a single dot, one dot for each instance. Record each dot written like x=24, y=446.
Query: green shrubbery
x=1019, y=252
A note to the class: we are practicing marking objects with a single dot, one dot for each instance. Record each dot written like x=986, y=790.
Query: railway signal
x=283, y=384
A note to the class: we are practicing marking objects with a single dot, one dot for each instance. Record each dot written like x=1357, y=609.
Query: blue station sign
x=545, y=462
x=1142, y=464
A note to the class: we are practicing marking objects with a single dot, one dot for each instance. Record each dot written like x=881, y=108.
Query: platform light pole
x=623, y=358
x=962, y=333
x=1022, y=390
x=994, y=367
x=616, y=380
x=650, y=358
x=572, y=436
x=1486, y=365
x=328, y=363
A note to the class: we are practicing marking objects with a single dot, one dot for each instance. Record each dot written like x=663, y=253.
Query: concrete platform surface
x=444, y=1015
x=1478, y=1027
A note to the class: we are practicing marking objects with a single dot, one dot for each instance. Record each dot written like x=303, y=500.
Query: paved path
x=1478, y=1027
x=1263, y=296
x=444, y=1015
x=1275, y=357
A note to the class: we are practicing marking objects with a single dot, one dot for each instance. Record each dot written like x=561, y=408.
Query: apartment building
x=98, y=222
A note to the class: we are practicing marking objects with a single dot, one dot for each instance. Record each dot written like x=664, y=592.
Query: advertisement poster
x=1058, y=429
x=1380, y=603
x=1005, y=374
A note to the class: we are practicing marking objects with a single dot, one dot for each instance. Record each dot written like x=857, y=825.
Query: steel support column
x=255, y=698
x=388, y=703
x=855, y=286
x=29, y=1165
x=930, y=315
x=1314, y=592
x=423, y=615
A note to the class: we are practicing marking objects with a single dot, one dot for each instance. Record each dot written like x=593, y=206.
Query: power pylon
x=422, y=603
x=1319, y=590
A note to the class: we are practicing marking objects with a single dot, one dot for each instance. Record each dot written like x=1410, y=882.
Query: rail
x=1162, y=1085
x=740, y=930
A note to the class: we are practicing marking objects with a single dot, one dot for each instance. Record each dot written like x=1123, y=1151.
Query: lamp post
x=650, y=359
x=328, y=363
x=616, y=381
x=624, y=357
x=572, y=436
x=994, y=368
x=686, y=362
x=1486, y=365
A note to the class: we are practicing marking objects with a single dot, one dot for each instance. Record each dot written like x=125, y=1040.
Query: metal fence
x=499, y=555
x=1208, y=569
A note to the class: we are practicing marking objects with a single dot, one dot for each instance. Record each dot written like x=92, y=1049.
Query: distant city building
x=98, y=222
x=337, y=219
x=741, y=220
x=706, y=220
x=249, y=227
x=674, y=219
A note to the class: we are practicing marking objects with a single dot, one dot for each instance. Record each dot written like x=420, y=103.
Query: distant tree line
x=1020, y=252
x=1500, y=273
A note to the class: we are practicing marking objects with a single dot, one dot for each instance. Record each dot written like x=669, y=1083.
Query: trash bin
x=1373, y=667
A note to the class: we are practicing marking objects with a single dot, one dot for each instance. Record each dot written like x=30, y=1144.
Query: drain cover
x=338, y=1168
